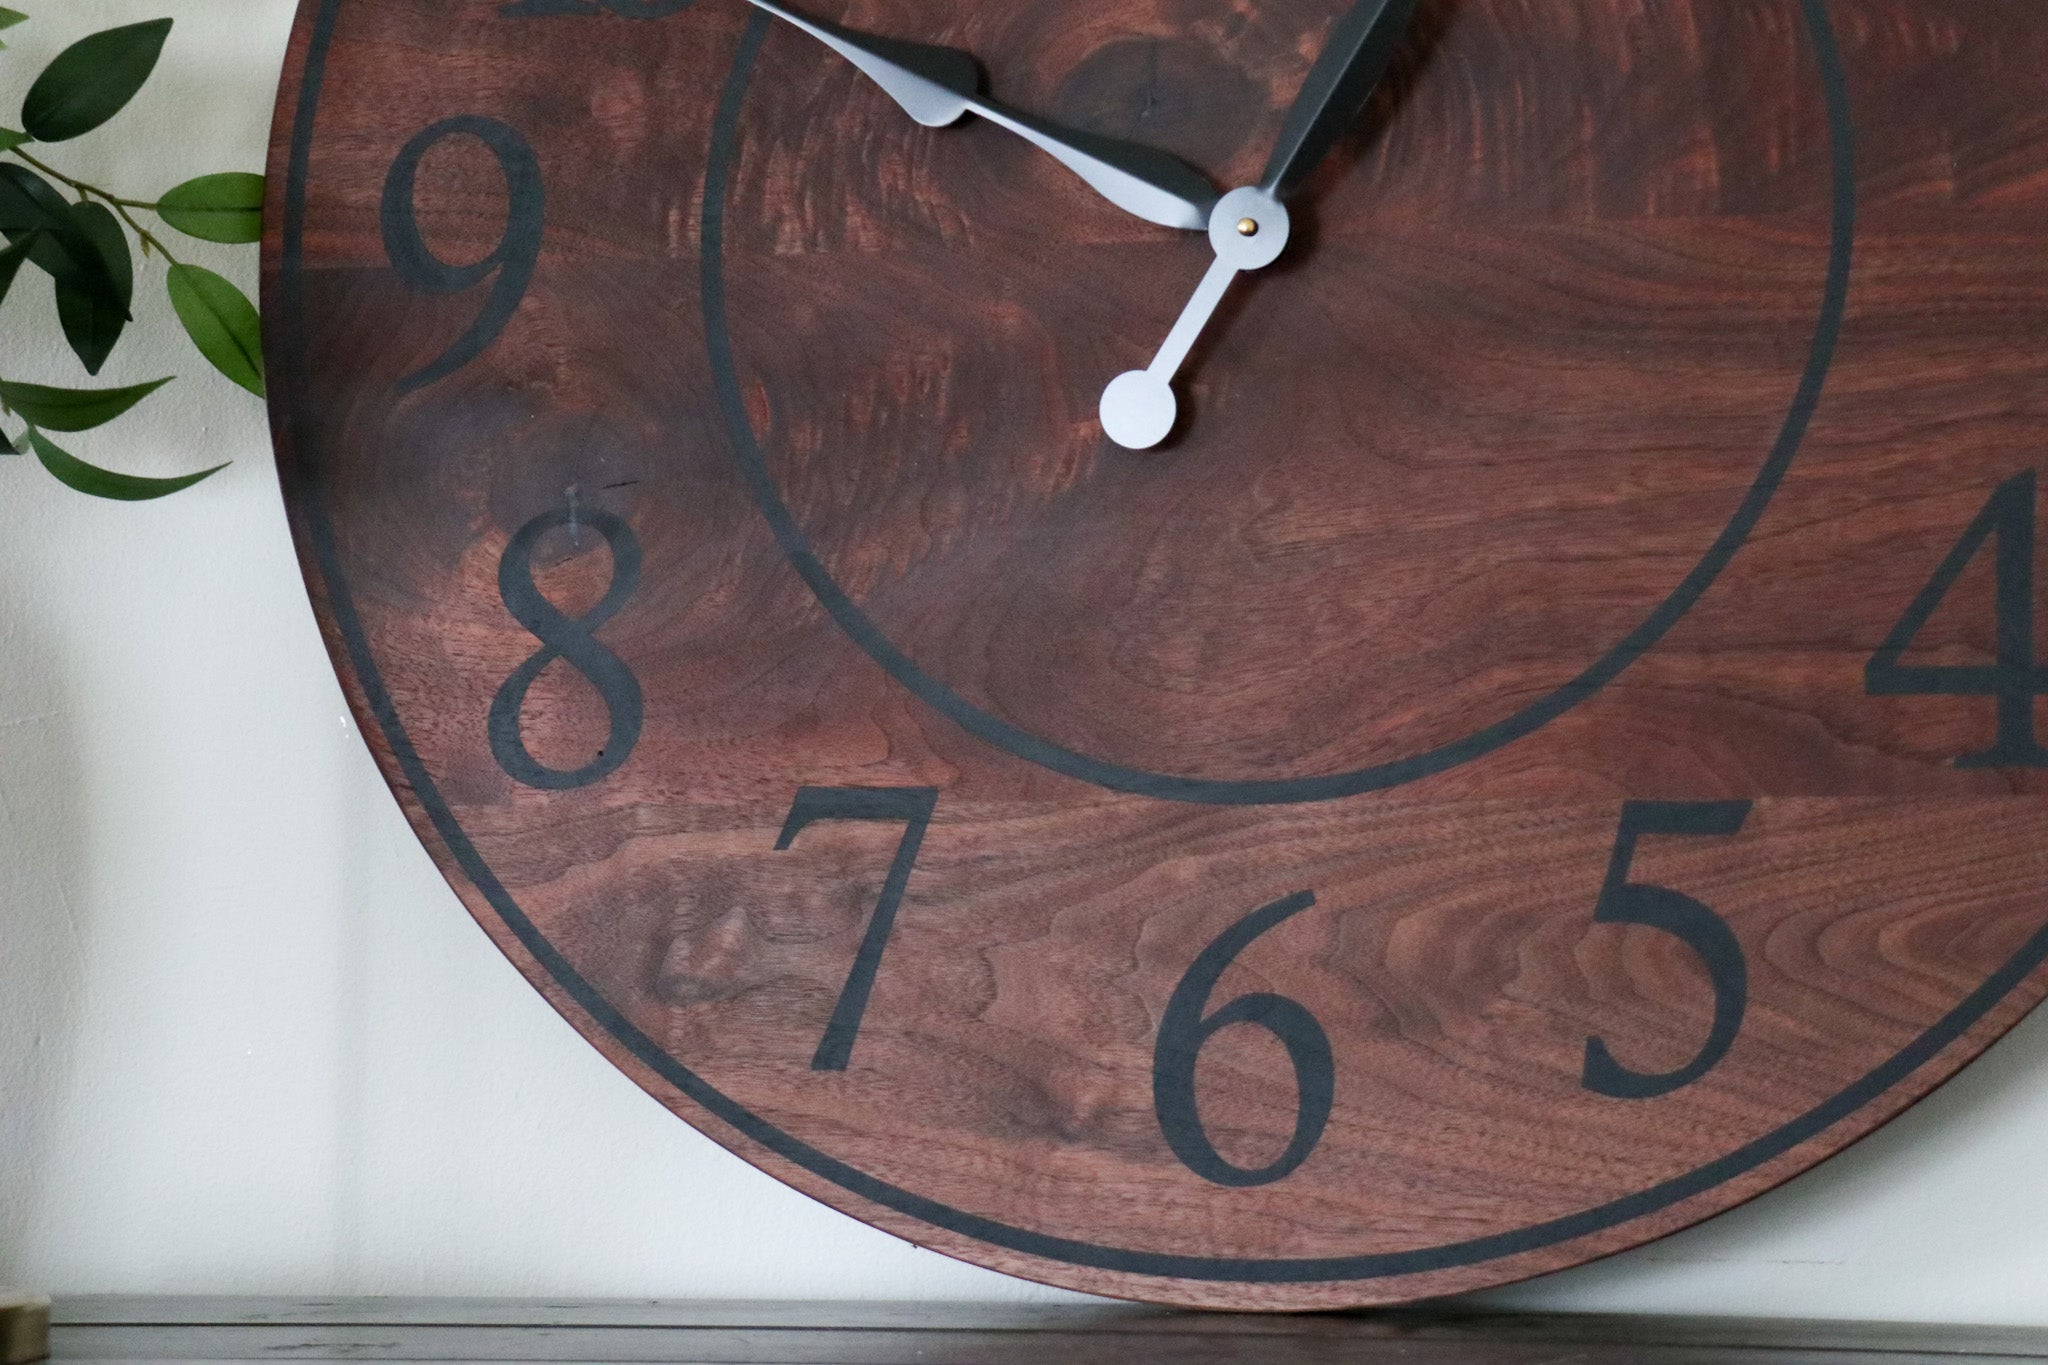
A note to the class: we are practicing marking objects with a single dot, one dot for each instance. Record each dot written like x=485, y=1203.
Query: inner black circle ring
x=1037, y=749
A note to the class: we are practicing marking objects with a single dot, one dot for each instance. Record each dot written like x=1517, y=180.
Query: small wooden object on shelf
x=24, y=1327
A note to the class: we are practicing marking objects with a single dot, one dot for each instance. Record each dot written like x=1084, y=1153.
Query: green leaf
x=221, y=322
x=6, y=445
x=105, y=483
x=29, y=206
x=88, y=83
x=10, y=17
x=9, y=139
x=93, y=323
x=11, y=259
x=28, y=201
x=73, y=409
x=217, y=208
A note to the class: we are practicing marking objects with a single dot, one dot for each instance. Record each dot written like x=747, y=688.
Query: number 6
x=1183, y=1032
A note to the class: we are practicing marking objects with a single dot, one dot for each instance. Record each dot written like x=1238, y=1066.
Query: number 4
x=2016, y=678
x=911, y=805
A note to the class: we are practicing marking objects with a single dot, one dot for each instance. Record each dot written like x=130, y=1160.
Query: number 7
x=914, y=807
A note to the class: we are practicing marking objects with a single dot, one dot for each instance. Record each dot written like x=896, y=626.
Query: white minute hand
x=938, y=86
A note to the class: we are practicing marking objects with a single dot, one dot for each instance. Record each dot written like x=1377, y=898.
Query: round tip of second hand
x=1138, y=409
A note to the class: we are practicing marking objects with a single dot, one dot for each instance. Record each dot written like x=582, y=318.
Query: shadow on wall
x=44, y=874
x=1831, y=1241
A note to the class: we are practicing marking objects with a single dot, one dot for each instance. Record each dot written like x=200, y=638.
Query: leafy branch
x=82, y=244
x=120, y=206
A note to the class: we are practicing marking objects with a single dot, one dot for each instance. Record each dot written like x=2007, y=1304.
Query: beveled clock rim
x=377, y=701
x=1014, y=739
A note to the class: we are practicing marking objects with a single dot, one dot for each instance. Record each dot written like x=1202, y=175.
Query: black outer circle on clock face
x=326, y=557
x=1034, y=748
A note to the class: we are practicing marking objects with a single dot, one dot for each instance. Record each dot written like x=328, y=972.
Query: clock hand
x=1248, y=227
x=938, y=86
x=1354, y=61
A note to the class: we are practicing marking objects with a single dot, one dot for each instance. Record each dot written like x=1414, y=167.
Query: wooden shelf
x=130, y=1329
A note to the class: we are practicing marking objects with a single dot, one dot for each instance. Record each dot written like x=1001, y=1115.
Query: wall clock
x=1262, y=655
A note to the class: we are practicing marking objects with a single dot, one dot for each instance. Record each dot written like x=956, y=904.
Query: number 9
x=512, y=260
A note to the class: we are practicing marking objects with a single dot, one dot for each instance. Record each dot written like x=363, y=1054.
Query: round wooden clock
x=1262, y=655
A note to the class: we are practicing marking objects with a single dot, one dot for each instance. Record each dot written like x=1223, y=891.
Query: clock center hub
x=1248, y=229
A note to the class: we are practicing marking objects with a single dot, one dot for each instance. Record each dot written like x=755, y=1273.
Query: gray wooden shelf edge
x=125, y=1328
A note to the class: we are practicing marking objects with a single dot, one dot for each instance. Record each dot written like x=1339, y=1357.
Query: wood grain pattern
x=1531, y=355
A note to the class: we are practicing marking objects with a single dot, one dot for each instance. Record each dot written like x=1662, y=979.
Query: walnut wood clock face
x=1542, y=750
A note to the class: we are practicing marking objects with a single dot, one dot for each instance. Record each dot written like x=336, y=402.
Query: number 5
x=914, y=807
x=1690, y=922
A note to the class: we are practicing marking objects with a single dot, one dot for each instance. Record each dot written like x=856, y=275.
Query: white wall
x=250, y=1043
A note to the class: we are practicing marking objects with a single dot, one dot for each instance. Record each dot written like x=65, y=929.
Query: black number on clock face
x=572, y=640
x=1184, y=1030
x=913, y=806
x=2016, y=678
x=512, y=260
x=1685, y=919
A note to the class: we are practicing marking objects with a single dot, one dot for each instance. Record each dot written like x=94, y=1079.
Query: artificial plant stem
x=120, y=205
